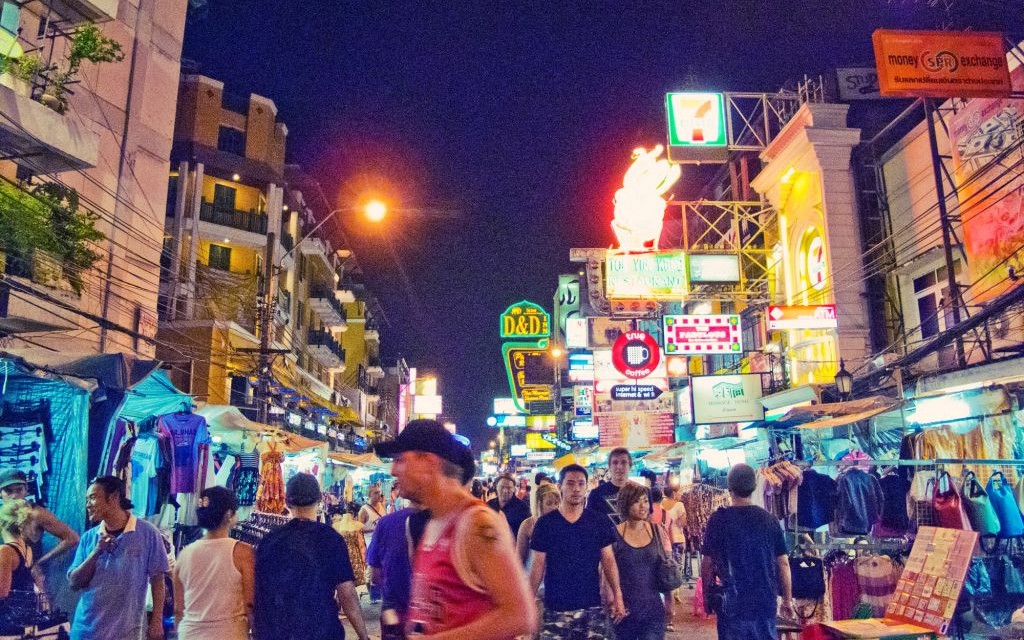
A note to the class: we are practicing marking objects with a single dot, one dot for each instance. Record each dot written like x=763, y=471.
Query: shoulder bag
x=949, y=510
x=979, y=510
x=1000, y=495
x=808, y=576
x=670, y=572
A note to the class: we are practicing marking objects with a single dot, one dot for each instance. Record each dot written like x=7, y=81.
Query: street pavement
x=687, y=627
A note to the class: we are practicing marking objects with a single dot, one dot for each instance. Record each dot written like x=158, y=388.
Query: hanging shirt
x=145, y=462
x=816, y=500
x=859, y=503
x=190, y=442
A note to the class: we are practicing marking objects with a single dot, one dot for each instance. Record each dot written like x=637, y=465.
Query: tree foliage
x=49, y=218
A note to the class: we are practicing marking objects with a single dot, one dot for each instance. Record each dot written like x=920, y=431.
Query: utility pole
x=264, y=315
x=955, y=297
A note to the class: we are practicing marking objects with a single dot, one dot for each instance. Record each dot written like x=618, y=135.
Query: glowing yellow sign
x=639, y=206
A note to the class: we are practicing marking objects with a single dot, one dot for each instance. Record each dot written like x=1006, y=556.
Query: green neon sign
x=696, y=119
x=524, y=321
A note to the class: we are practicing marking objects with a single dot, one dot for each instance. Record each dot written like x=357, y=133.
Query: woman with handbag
x=639, y=552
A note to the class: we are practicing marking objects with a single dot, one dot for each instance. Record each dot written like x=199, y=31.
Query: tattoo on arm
x=487, y=533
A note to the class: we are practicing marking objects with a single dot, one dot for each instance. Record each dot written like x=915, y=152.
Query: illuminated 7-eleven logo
x=696, y=119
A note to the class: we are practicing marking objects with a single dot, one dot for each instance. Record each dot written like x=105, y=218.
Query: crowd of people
x=568, y=559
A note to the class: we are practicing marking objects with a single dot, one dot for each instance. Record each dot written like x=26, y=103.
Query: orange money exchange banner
x=941, y=64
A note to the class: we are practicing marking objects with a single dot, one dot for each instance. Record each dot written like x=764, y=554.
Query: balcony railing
x=324, y=293
x=320, y=338
x=287, y=241
x=242, y=220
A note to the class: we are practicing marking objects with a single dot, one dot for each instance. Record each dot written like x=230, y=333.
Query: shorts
x=579, y=624
x=747, y=628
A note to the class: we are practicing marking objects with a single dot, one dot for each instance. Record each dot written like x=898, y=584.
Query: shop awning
x=369, y=460
x=668, y=452
x=229, y=423
x=840, y=414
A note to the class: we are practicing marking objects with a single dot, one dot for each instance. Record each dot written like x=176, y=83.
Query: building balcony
x=323, y=302
x=322, y=345
x=42, y=140
x=249, y=221
x=78, y=11
x=317, y=248
x=374, y=367
x=371, y=332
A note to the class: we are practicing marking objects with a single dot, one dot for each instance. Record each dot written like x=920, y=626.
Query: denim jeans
x=747, y=628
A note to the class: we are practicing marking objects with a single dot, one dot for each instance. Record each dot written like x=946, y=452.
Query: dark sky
x=516, y=118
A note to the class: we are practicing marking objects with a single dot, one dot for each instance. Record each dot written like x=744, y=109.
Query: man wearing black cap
x=467, y=581
x=745, y=553
x=303, y=573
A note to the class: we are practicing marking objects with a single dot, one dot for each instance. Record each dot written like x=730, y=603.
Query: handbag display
x=949, y=509
x=1000, y=496
x=808, y=576
x=670, y=572
x=979, y=510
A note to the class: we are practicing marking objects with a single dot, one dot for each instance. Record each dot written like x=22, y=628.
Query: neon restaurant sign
x=525, y=320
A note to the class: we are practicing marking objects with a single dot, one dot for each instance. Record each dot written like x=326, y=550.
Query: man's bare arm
x=493, y=561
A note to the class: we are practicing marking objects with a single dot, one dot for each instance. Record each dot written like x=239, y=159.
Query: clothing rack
x=857, y=546
x=918, y=463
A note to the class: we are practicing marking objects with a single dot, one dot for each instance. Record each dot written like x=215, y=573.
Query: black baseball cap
x=430, y=436
x=12, y=477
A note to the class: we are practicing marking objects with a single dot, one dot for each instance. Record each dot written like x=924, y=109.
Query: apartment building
x=100, y=137
x=241, y=222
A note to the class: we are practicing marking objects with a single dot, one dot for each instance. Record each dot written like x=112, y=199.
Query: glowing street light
x=556, y=352
x=376, y=210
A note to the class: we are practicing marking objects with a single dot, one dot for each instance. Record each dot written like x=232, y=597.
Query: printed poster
x=993, y=218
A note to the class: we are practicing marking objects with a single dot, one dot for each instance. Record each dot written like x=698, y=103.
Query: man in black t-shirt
x=303, y=573
x=567, y=546
x=744, y=549
x=602, y=499
x=514, y=509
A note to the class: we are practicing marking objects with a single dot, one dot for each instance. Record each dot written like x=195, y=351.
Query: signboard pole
x=947, y=246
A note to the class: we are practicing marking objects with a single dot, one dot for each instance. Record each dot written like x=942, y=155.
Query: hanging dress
x=247, y=478
x=270, y=494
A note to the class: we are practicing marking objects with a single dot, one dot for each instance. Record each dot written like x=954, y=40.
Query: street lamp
x=376, y=210
x=844, y=381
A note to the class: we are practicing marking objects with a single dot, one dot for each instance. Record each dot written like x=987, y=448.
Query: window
x=224, y=197
x=10, y=17
x=220, y=257
x=231, y=140
x=172, y=195
x=931, y=291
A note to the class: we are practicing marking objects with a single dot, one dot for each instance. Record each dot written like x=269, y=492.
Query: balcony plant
x=18, y=73
x=88, y=44
x=48, y=219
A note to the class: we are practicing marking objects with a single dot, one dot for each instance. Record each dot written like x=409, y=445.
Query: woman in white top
x=213, y=577
x=369, y=514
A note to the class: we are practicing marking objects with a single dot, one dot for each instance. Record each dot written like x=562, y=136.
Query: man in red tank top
x=467, y=582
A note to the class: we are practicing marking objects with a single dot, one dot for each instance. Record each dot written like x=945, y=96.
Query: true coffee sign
x=636, y=354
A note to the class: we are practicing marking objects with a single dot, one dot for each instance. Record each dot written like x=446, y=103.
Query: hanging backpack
x=1001, y=497
x=949, y=510
x=979, y=510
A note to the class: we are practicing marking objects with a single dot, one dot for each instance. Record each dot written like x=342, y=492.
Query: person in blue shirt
x=113, y=565
x=388, y=559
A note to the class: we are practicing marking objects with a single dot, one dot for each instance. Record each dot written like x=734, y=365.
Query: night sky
x=504, y=128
